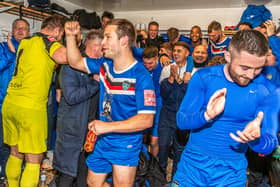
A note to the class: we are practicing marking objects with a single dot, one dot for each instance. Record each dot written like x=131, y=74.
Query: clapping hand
x=216, y=104
x=250, y=132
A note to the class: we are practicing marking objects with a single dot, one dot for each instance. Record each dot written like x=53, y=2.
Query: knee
x=34, y=158
x=17, y=154
x=121, y=181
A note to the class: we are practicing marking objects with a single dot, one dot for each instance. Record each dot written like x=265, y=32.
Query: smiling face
x=153, y=31
x=195, y=34
x=200, y=54
x=180, y=54
x=111, y=42
x=244, y=67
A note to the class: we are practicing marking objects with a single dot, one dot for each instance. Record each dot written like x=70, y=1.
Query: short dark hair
x=216, y=60
x=153, y=23
x=20, y=19
x=53, y=22
x=107, y=14
x=94, y=34
x=150, y=52
x=183, y=44
x=214, y=26
x=172, y=33
x=124, y=28
x=166, y=45
x=251, y=41
x=196, y=26
x=245, y=23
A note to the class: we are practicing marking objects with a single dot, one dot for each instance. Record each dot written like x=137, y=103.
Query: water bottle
x=43, y=179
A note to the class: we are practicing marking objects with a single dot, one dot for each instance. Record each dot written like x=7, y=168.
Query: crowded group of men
x=159, y=90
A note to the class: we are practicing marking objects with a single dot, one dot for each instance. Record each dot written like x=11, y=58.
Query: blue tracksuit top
x=241, y=107
x=7, y=66
x=273, y=72
x=155, y=74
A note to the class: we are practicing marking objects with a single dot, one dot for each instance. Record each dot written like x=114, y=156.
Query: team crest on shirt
x=269, y=76
x=125, y=85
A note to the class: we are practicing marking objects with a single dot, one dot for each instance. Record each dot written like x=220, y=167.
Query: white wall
x=7, y=19
x=182, y=19
x=185, y=19
x=6, y=25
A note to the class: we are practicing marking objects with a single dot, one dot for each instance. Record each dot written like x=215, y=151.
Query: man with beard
x=226, y=110
x=218, y=42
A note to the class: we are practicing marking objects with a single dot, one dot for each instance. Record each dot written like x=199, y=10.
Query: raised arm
x=75, y=59
x=10, y=43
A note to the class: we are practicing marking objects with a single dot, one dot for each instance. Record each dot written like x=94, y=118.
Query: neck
x=46, y=32
x=226, y=72
x=222, y=38
x=124, y=60
x=196, y=43
x=202, y=64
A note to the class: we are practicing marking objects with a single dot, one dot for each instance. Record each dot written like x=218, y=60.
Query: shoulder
x=212, y=71
x=106, y=63
x=140, y=72
x=264, y=85
x=3, y=46
x=140, y=68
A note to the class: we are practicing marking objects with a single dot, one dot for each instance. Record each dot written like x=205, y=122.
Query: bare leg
x=123, y=176
x=154, y=148
x=97, y=179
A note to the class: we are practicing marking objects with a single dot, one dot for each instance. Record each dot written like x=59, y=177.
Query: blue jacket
x=273, y=72
x=172, y=94
x=78, y=90
x=7, y=66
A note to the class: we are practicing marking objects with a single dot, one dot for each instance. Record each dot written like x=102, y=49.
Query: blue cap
x=256, y=15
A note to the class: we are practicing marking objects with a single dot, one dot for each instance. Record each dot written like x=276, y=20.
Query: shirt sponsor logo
x=149, y=98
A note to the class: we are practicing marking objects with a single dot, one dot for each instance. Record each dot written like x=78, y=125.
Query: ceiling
x=141, y=5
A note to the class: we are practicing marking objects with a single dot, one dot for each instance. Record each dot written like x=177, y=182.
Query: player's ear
x=227, y=56
x=124, y=40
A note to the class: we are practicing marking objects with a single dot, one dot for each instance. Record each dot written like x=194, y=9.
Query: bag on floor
x=149, y=172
